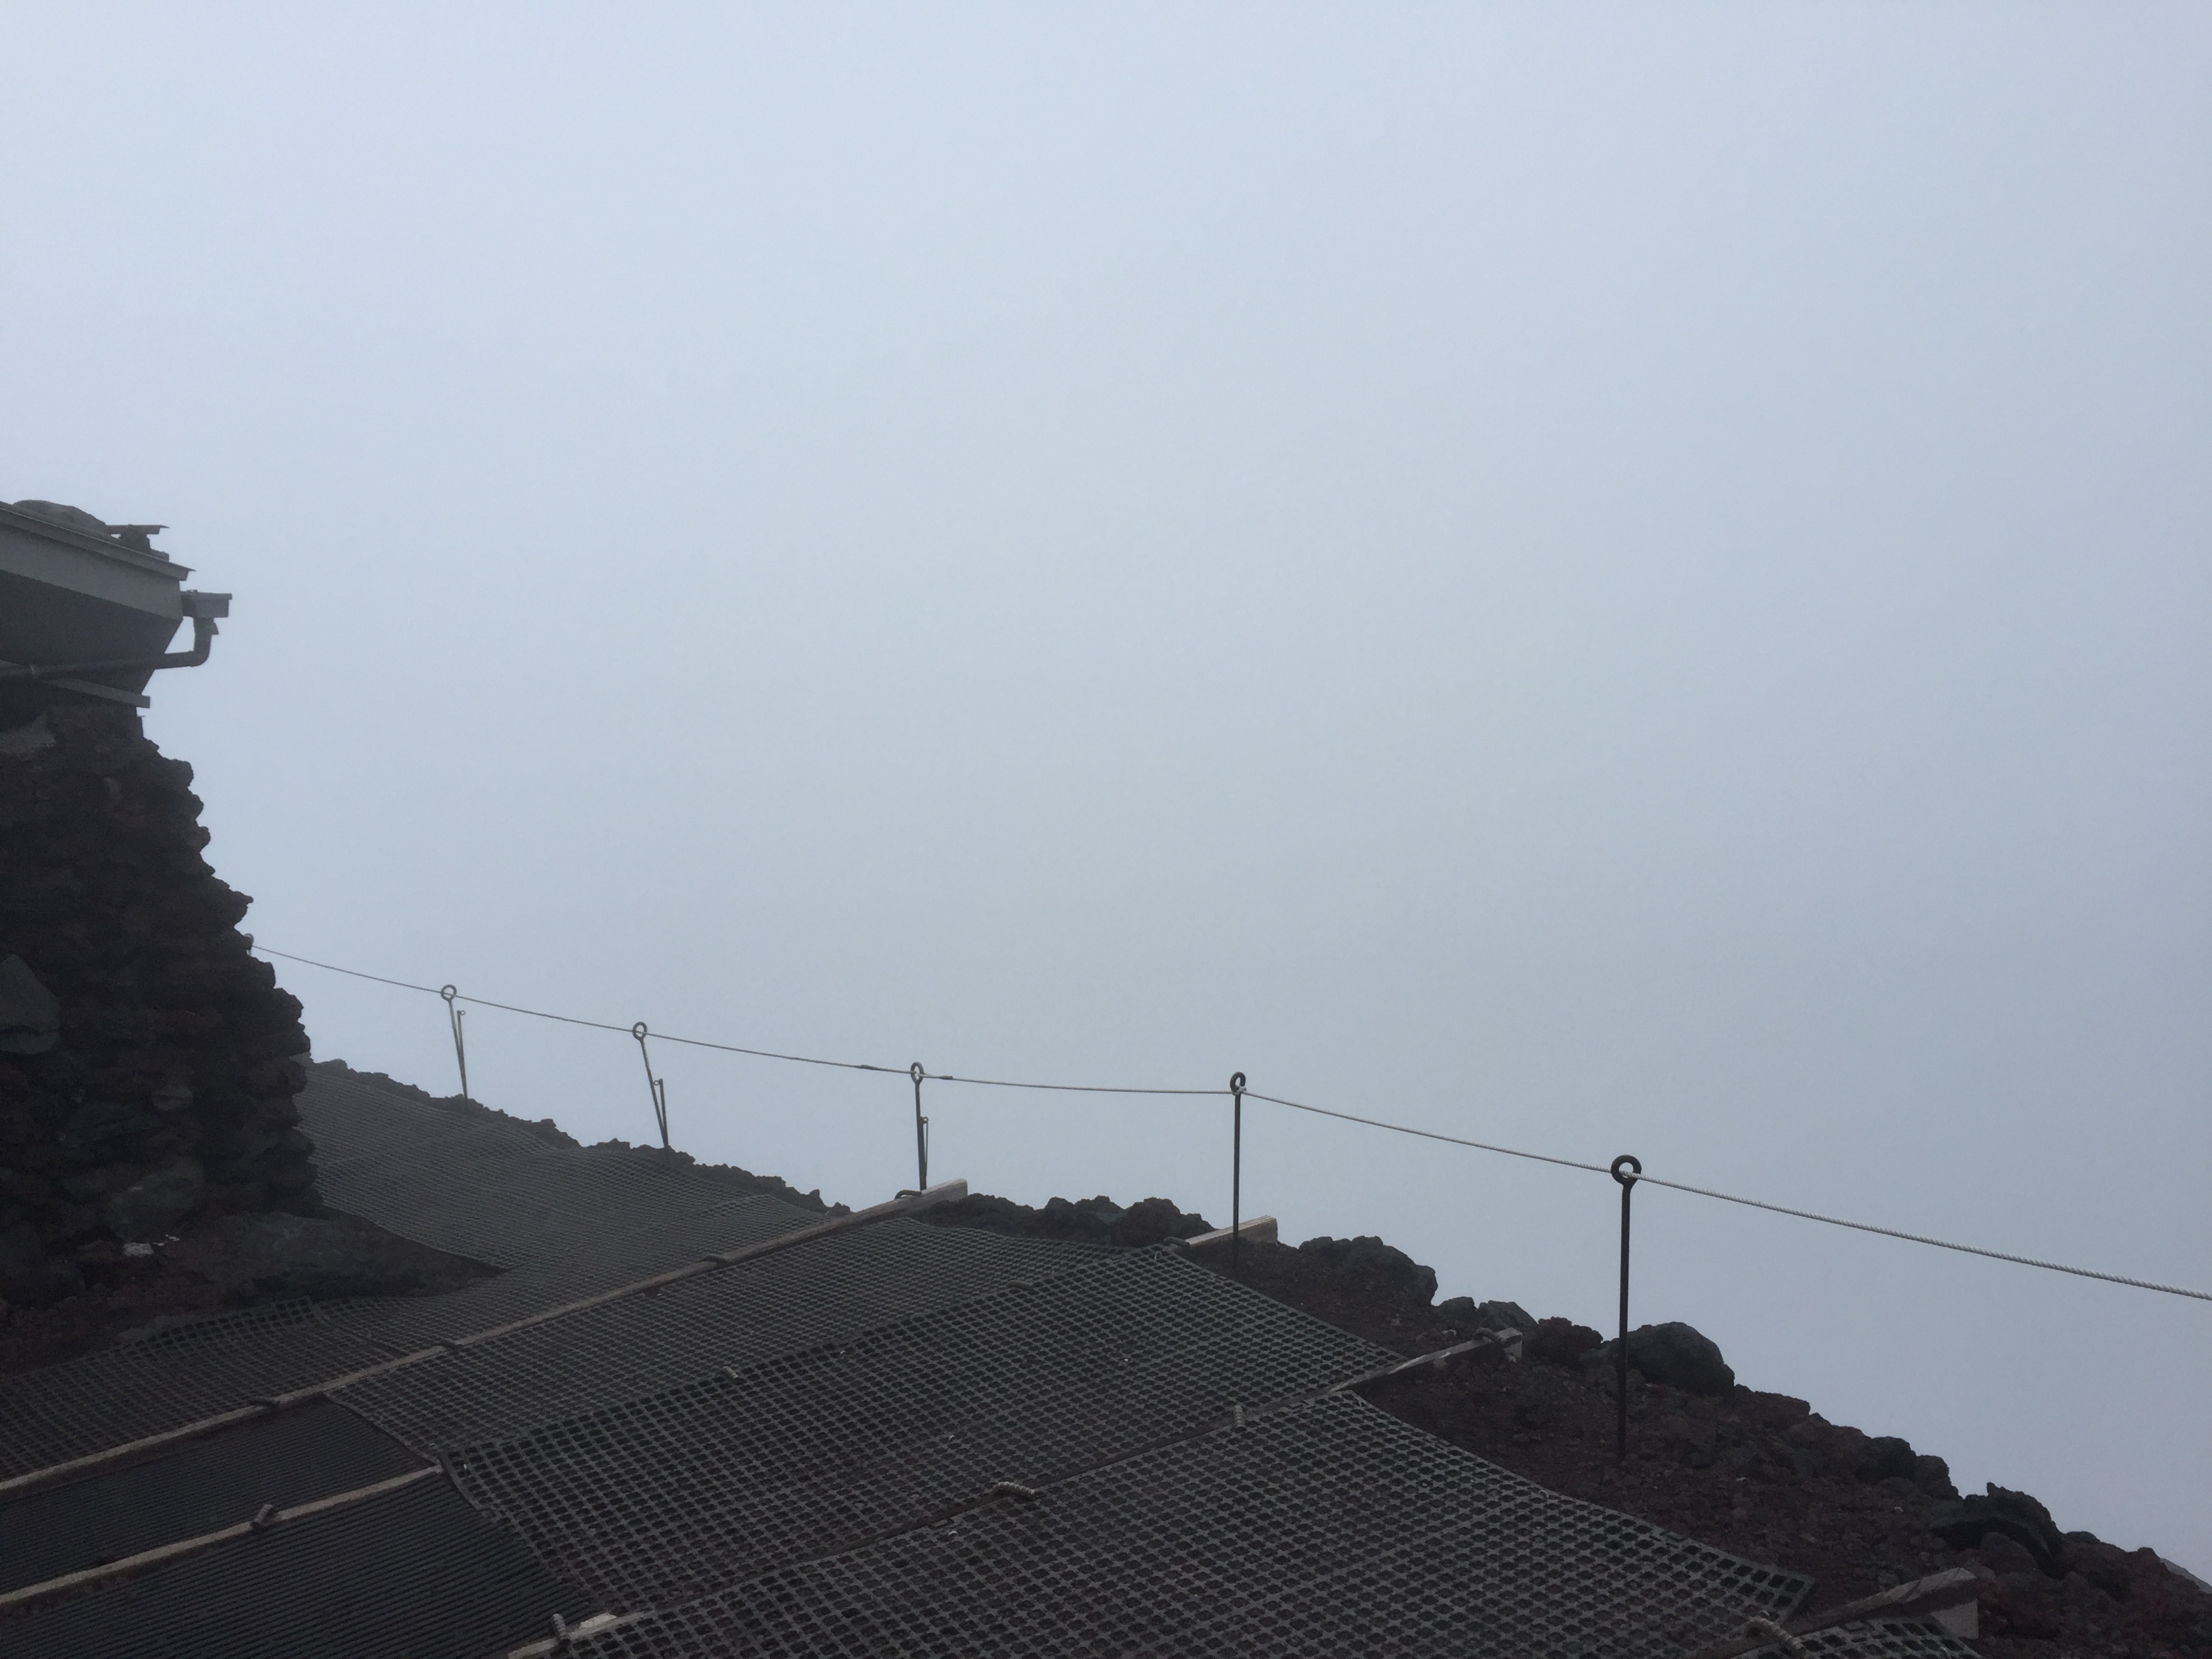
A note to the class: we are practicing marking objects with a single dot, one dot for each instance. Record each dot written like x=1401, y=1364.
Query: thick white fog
x=1604, y=580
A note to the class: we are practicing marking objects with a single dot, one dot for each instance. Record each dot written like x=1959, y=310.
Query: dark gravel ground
x=1761, y=1475
x=728, y=1175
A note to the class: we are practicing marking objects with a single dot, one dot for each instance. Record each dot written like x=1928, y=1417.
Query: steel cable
x=731, y=1047
x=1296, y=1106
x=1750, y=1203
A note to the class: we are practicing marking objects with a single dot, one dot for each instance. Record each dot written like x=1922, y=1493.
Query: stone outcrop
x=1370, y=1256
x=1089, y=1221
x=1680, y=1356
x=146, y=1069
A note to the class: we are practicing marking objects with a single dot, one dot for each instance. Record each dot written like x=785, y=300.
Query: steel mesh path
x=896, y=1438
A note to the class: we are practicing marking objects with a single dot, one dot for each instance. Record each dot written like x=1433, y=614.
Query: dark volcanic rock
x=145, y=1053
x=157, y=1202
x=1093, y=1221
x=2011, y=1515
x=1372, y=1256
x=1486, y=1315
x=1933, y=1476
x=544, y=1129
x=1154, y=1220
x=1560, y=1342
x=1680, y=1356
x=28, y=1277
x=30, y=1014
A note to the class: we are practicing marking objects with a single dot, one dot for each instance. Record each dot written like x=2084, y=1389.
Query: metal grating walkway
x=830, y=1449
x=123, y=1394
x=801, y=1453
x=825, y=1291
x=414, y=1574
x=293, y=1458
x=1324, y=1529
x=1890, y=1639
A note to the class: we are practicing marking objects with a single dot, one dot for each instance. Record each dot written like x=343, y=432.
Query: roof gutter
x=202, y=608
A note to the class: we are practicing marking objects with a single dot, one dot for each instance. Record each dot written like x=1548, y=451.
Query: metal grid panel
x=1324, y=1529
x=475, y=1207
x=138, y=1389
x=120, y=1393
x=405, y=1323
x=123, y=1393
x=199, y=1487
x=826, y=1290
x=884, y=1379
x=825, y=1450
x=815, y=1293
x=1888, y=1638
x=411, y=1574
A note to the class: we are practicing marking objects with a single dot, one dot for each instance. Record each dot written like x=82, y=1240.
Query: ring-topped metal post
x=920, y=1131
x=1237, y=1173
x=460, y=1050
x=1634, y=1168
x=658, y=1086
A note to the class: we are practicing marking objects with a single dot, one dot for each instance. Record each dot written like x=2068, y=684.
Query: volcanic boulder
x=1680, y=1356
x=1371, y=1256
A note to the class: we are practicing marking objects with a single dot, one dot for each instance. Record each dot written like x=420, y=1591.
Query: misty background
x=1605, y=579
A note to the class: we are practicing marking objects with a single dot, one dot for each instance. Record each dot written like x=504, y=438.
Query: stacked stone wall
x=148, y=1059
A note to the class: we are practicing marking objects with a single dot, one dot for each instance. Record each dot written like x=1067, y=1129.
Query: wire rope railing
x=1237, y=1092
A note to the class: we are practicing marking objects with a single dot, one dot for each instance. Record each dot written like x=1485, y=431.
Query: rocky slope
x=728, y=1175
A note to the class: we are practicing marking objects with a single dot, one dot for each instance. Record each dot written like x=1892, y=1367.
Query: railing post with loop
x=460, y=1050
x=1635, y=1168
x=658, y=1086
x=920, y=1131
x=1236, y=1174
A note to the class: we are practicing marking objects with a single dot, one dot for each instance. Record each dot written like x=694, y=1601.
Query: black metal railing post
x=460, y=1050
x=657, y=1087
x=920, y=1131
x=1620, y=1356
x=1236, y=1174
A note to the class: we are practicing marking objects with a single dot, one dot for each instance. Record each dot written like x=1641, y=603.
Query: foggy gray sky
x=1611, y=580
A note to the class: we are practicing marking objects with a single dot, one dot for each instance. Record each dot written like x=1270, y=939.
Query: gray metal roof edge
x=159, y=563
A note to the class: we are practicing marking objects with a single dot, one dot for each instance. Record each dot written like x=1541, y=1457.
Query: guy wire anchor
x=453, y=1018
x=1635, y=1168
x=920, y=1131
x=658, y=1086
